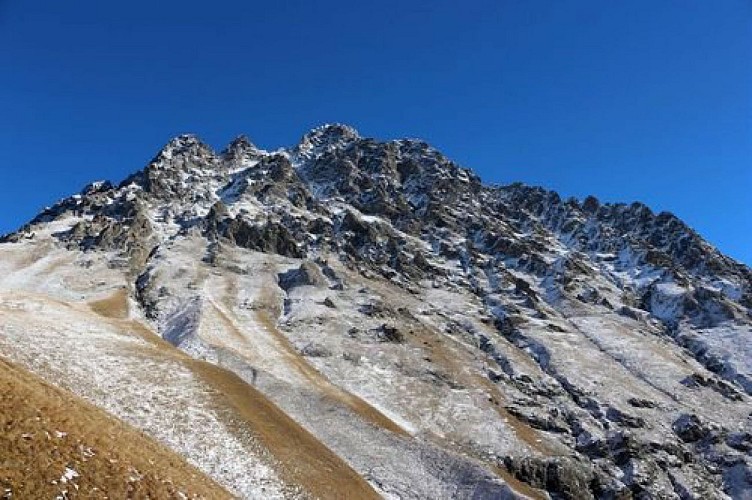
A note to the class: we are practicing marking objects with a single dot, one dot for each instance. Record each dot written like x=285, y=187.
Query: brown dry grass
x=306, y=461
x=523, y=431
x=454, y=363
x=112, y=459
x=115, y=306
x=229, y=324
x=451, y=361
x=303, y=460
x=33, y=253
x=269, y=309
x=353, y=402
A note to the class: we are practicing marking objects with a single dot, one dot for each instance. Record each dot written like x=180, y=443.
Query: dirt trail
x=47, y=429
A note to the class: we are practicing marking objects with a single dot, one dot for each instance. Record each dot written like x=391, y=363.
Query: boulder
x=690, y=428
x=307, y=274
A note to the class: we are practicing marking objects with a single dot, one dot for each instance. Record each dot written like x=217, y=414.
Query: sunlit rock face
x=443, y=337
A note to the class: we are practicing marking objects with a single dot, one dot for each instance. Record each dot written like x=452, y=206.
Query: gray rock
x=316, y=351
x=307, y=274
x=690, y=428
x=392, y=334
x=565, y=478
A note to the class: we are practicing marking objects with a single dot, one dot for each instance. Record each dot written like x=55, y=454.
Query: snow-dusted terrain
x=420, y=334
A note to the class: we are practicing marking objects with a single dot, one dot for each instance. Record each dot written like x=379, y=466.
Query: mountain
x=358, y=318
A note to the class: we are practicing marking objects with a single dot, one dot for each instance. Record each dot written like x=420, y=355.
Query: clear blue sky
x=645, y=100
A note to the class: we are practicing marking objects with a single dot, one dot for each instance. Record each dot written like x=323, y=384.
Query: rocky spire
x=332, y=131
x=240, y=149
x=184, y=146
x=324, y=138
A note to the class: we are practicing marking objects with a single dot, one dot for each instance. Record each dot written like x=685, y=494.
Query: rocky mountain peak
x=239, y=150
x=331, y=132
x=184, y=145
x=324, y=138
x=617, y=333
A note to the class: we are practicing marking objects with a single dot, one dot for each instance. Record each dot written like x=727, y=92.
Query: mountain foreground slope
x=95, y=455
x=353, y=318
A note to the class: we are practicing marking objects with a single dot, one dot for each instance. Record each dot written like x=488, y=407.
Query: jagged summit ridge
x=333, y=160
x=398, y=178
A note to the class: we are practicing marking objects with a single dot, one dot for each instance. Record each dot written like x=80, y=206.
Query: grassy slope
x=303, y=459
x=46, y=430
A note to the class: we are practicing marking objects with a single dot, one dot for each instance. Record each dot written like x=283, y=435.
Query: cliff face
x=440, y=336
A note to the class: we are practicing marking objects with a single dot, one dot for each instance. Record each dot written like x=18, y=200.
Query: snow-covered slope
x=431, y=336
